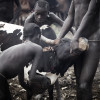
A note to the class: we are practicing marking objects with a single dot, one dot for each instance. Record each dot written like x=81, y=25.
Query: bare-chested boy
x=14, y=59
x=42, y=16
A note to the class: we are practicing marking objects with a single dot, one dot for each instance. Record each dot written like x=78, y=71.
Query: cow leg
x=4, y=89
x=58, y=90
x=29, y=94
x=77, y=71
x=50, y=91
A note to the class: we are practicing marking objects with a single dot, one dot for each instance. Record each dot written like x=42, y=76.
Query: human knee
x=83, y=86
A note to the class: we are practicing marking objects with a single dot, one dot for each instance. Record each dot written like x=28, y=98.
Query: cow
x=11, y=35
x=56, y=61
x=59, y=59
x=7, y=10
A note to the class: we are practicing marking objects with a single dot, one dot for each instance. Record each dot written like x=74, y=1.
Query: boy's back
x=13, y=60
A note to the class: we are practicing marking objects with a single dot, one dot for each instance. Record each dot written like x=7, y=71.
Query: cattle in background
x=11, y=34
x=7, y=13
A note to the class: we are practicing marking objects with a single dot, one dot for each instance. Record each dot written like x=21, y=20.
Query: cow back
x=10, y=35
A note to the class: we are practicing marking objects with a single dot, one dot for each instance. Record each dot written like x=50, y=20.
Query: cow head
x=64, y=59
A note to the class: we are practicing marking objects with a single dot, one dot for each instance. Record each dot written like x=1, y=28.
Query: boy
x=13, y=60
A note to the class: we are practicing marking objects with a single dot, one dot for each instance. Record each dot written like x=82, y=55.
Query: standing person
x=14, y=59
x=7, y=10
x=86, y=15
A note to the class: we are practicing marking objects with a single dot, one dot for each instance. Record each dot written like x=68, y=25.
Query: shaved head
x=42, y=5
x=31, y=29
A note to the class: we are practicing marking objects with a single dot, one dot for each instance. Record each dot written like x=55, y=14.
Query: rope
x=93, y=40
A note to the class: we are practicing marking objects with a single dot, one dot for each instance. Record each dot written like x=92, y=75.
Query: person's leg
x=77, y=71
x=50, y=91
x=4, y=89
x=89, y=68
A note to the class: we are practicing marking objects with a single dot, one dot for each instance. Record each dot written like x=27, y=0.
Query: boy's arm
x=37, y=53
x=68, y=23
x=21, y=80
x=83, y=30
x=59, y=21
x=56, y=19
x=29, y=19
x=48, y=41
x=87, y=19
x=17, y=12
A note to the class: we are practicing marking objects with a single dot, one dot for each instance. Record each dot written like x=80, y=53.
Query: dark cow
x=11, y=34
x=57, y=61
x=7, y=10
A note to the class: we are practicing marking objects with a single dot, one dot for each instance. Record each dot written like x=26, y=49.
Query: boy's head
x=32, y=32
x=41, y=10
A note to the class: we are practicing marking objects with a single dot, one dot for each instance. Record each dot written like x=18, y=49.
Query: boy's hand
x=79, y=45
x=48, y=49
x=56, y=41
x=74, y=46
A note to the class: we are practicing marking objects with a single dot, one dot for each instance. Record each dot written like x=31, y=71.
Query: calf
x=56, y=61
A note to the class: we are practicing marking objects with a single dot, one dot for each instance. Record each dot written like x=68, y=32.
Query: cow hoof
x=38, y=97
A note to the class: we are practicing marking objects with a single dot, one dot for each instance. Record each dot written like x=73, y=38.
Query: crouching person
x=37, y=83
x=13, y=60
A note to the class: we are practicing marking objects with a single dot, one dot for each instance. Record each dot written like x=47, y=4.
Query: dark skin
x=85, y=14
x=18, y=55
x=7, y=10
x=40, y=17
x=14, y=59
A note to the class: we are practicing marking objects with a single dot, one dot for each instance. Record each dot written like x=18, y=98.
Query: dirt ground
x=67, y=85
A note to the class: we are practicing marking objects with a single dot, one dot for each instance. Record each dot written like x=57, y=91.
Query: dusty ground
x=67, y=85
